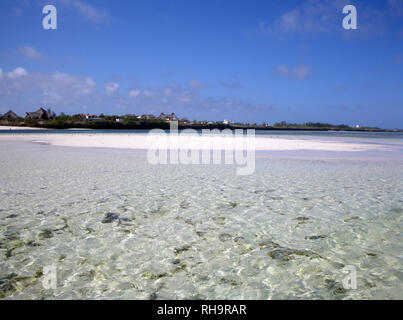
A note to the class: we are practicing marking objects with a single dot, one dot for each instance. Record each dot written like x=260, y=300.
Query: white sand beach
x=142, y=142
x=19, y=128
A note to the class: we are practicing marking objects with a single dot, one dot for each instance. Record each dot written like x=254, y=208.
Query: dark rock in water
x=12, y=216
x=301, y=218
x=110, y=217
x=12, y=282
x=10, y=235
x=336, y=287
x=369, y=284
x=201, y=233
x=176, y=261
x=239, y=239
x=7, y=285
x=287, y=254
x=181, y=249
x=232, y=204
x=268, y=244
x=153, y=296
x=397, y=210
x=352, y=218
x=189, y=221
x=224, y=237
x=46, y=234
x=184, y=205
x=179, y=268
x=371, y=254
x=32, y=244
x=231, y=282
x=315, y=237
x=284, y=254
x=9, y=253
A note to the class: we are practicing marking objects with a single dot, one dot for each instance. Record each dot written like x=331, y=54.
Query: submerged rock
x=153, y=296
x=110, y=217
x=182, y=249
x=46, y=234
x=268, y=244
x=224, y=236
x=12, y=283
x=352, y=218
x=301, y=218
x=336, y=287
x=315, y=237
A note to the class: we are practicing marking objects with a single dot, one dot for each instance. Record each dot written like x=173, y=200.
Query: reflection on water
x=116, y=227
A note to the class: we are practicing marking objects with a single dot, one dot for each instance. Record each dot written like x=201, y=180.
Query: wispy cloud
x=300, y=72
x=59, y=88
x=29, y=53
x=111, y=87
x=86, y=11
x=196, y=84
x=22, y=90
x=311, y=17
x=231, y=84
x=325, y=16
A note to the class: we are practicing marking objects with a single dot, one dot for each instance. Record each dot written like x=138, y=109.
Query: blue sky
x=249, y=61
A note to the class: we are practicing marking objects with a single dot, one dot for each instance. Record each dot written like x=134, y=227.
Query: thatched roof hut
x=40, y=114
x=10, y=115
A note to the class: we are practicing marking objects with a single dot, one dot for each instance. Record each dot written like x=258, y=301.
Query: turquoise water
x=116, y=227
x=287, y=133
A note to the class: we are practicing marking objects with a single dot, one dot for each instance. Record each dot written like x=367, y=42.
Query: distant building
x=167, y=117
x=225, y=122
x=40, y=114
x=89, y=116
x=357, y=126
x=129, y=116
x=10, y=115
x=184, y=120
x=147, y=117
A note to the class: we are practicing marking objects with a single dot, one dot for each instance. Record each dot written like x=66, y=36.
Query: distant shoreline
x=152, y=125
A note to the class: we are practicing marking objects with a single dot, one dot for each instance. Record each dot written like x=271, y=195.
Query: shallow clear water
x=197, y=232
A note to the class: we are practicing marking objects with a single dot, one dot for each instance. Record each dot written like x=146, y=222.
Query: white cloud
x=29, y=53
x=134, y=93
x=16, y=73
x=311, y=17
x=86, y=11
x=57, y=89
x=111, y=87
x=23, y=91
x=283, y=70
x=302, y=72
x=299, y=72
x=148, y=93
x=195, y=84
